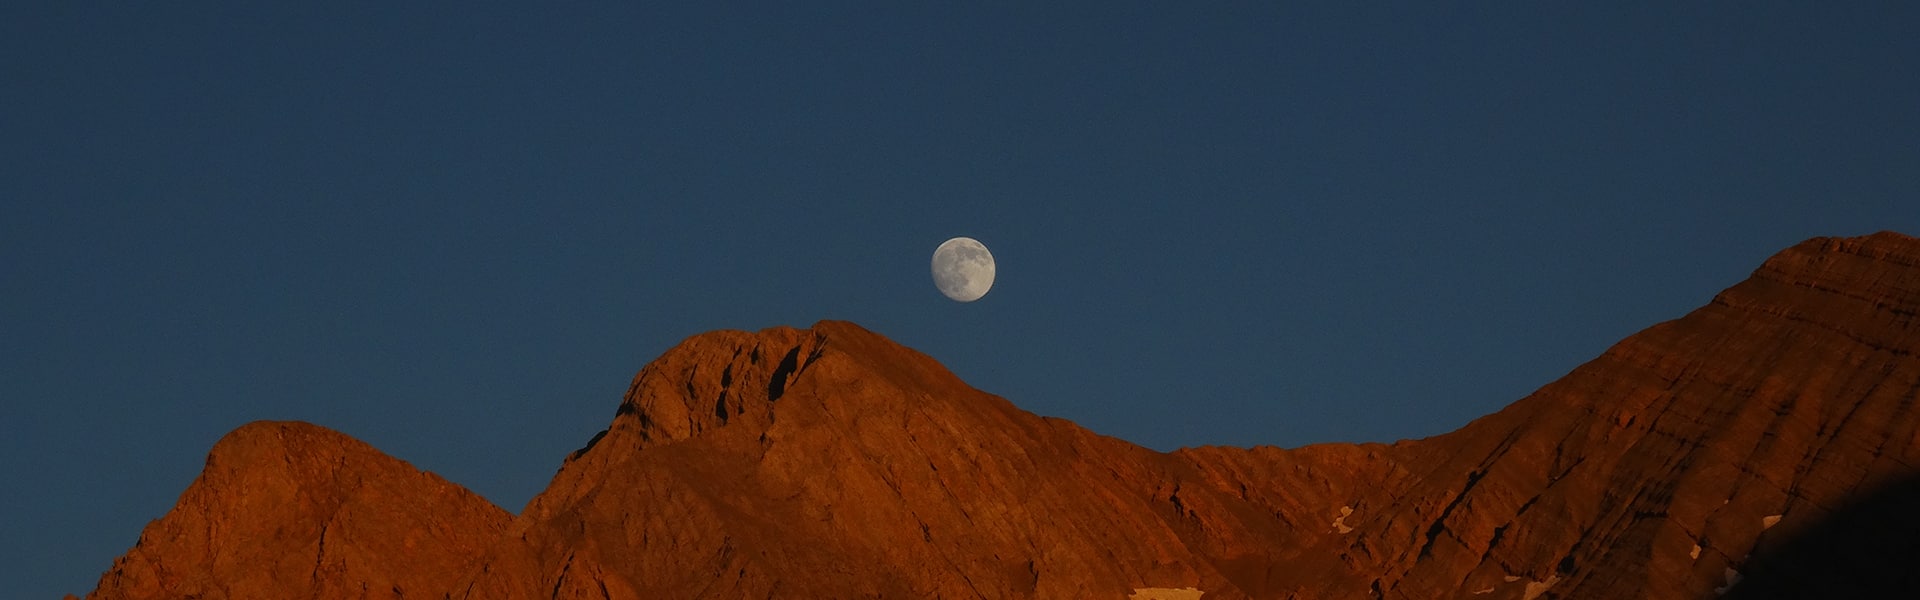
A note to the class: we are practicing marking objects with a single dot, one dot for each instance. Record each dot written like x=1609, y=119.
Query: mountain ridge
x=832, y=462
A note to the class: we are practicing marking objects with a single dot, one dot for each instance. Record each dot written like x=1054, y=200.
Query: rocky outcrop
x=293, y=510
x=831, y=462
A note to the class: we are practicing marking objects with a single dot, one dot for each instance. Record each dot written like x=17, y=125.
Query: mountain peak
x=1862, y=288
x=1840, y=262
x=292, y=509
x=736, y=378
x=832, y=462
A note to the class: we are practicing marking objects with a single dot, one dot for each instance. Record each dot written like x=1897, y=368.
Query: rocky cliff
x=830, y=462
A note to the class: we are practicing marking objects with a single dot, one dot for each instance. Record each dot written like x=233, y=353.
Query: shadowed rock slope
x=832, y=463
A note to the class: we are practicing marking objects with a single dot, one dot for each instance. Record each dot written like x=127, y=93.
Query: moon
x=963, y=269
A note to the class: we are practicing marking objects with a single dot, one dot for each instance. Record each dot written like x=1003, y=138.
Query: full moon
x=963, y=269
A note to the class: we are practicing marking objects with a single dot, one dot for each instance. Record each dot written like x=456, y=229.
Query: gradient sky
x=457, y=233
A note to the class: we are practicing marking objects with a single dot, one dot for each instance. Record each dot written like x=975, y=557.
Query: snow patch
x=1510, y=578
x=1733, y=577
x=1536, y=588
x=1340, y=522
x=1769, y=521
x=1489, y=590
x=1166, y=594
x=1694, y=553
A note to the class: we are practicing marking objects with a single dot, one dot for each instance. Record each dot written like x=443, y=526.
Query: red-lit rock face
x=292, y=510
x=831, y=462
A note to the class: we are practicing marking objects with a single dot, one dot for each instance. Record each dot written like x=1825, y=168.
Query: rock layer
x=831, y=462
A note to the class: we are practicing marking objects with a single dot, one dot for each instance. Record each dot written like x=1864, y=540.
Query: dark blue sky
x=457, y=233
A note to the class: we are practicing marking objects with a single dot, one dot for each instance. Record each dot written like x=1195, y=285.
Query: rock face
x=292, y=510
x=831, y=462
x=1656, y=469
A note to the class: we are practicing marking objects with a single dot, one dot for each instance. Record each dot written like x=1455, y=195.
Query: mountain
x=292, y=510
x=829, y=462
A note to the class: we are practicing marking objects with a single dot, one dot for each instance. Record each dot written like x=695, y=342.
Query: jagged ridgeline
x=832, y=463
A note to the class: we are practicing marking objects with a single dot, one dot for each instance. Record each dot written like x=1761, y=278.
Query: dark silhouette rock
x=1866, y=547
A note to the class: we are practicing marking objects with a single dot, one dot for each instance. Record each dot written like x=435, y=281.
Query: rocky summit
x=1735, y=445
